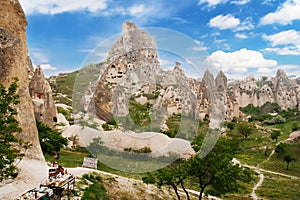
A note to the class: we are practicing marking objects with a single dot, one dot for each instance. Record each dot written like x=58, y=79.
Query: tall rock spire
x=41, y=94
x=14, y=63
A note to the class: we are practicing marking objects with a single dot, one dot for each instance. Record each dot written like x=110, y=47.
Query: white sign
x=90, y=162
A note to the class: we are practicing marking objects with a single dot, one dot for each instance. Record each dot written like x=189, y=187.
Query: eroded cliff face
x=14, y=62
x=132, y=71
x=41, y=94
x=280, y=89
x=131, y=64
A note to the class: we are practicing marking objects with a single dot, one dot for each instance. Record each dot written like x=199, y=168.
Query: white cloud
x=224, y=22
x=59, y=6
x=166, y=64
x=284, y=38
x=38, y=56
x=239, y=61
x=212, y=3
x=137, y=10
x=284, y=51
x=199, y=48
x=240, y=2
x=284, y=43
x=285, y=14
x=247, y=24
x=241, y=36
x=265, y=71
x=222, y=44
x=47, y=67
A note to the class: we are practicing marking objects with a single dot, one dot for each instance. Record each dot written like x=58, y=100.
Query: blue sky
x=240, y=37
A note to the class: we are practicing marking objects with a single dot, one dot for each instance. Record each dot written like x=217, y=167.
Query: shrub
x=275, y=120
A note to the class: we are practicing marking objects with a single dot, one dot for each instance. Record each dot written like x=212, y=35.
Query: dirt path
x=260, y=171
x=258, y=184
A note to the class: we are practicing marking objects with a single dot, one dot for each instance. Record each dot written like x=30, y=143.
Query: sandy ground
x=293, y=136
x=159, y=144
x=32, y=173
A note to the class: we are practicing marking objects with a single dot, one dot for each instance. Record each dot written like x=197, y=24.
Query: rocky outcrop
x=132, y=71
x=131, y=64
x=41, y=94
x=280, y=90
x=14, y=63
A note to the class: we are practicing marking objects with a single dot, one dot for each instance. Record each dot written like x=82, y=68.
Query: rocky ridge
x=14, y=62
x=279, y=89
x=132, y=72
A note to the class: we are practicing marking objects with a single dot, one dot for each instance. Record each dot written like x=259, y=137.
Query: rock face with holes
x=279, y=89
x=41, y=95
x=14, y=62
x=132, y=73
x=131, y=66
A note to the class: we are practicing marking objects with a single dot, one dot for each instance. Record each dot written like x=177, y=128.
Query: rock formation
x=41, y=94
x=132, y=64
x=14, y=62
x=132, y=71
x=280, y=90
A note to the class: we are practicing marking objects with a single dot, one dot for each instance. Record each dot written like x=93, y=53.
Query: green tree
x=288, y=158
x=245, y=129
x=280, y=149
x=51, y=140
x=10, y=146
x=173, y=176
x=96, y=147
x=216, y=170
x=275, y=134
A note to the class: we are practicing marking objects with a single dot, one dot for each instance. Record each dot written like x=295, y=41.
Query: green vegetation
x=275, y=120
x=51, y=140
x=278, y=164
x=275, y=134
x=141, y=118
x=278, y=187
x=141, y=150
x=93, y=125
x=96, y=147
x=214, y=174
x=64, y=84
x=110, y=125
x=67, y=114
x=95, y=190
x=10, y=145
x=261, y=113
x=245, y=129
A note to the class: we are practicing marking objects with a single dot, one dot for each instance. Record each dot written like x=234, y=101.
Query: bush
x=50, y=139
x=142, y=150
x=275, y=120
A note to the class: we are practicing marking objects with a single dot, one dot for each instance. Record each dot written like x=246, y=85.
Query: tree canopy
x=10, y=146
x=51, y=140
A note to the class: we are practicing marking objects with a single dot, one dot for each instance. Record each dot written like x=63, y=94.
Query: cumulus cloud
x=137, y=10
x=38, y=56
x=224, y=22
x=285, y=14
x=247, y=24
x=48, y=67
x=59, y=6
x=239, y=61
x=212, y=3
x=241, y=36
x=284, y=43
x=240, y=2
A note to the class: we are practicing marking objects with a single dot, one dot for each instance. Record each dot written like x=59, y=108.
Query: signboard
x=90, y=162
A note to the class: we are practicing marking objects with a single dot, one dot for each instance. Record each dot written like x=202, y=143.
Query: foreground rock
x=14, y=62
